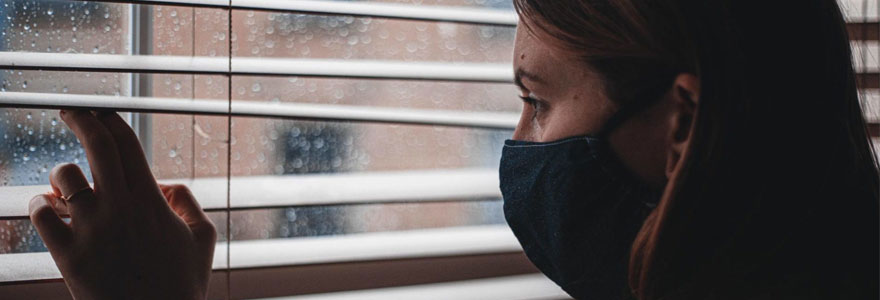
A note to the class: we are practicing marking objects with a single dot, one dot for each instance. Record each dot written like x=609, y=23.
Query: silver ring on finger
x=70, y=197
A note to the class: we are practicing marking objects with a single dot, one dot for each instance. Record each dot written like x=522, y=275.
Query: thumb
x=184, y=204
x=55, y=233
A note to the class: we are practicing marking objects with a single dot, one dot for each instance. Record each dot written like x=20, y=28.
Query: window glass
x=32, y=141
x=64, y=26
x=175, y=30
x=269, y=34
x=277, y=147
x=458, y=96
x=313, y=221
x=191, y=149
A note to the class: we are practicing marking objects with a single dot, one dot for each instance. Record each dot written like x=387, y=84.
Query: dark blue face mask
x=576, y=211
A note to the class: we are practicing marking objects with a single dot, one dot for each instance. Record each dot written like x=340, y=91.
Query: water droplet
x=256, y=88
x=172, y=153
x=174, y=13
x=64, y=89
x=50, y=12
x=32, y=148
x=24, y=86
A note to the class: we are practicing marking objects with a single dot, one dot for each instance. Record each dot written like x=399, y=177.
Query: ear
x=684, y=97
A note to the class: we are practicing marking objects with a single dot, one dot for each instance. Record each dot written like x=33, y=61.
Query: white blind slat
x=478, y=72
x=318, y=250
x=314, y=189
x=520, y=287
x=311, y=111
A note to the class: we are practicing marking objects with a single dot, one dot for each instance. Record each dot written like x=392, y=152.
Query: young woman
x=678, y=149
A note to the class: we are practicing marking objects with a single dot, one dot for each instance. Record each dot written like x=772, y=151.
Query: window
x=340, y=138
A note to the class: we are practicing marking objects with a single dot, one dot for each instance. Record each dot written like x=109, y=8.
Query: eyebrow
x=520, y=74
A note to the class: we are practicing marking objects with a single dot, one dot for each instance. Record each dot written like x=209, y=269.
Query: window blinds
x=258, y=66
x=336, y=188
x=276, y=191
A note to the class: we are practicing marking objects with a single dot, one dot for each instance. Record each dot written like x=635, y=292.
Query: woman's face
x=564, y=98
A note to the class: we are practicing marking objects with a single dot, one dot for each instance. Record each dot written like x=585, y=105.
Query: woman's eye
x=531, y=100
x=528, y=100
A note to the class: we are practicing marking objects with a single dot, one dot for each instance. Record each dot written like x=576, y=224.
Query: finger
x=185, y=205
x=67, y=180
x=58, y=204
x=137, y=170
x=55, y=233
x=101, y=151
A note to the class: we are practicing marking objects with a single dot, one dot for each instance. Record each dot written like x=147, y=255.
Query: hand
x=128, y=238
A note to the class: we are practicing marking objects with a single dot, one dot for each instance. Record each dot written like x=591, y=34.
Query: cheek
x=528, y=128
x=573, y=118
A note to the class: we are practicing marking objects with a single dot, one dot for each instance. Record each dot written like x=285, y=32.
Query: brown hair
x=778, y=192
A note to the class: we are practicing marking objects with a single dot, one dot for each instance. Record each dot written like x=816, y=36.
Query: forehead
x=536, y=57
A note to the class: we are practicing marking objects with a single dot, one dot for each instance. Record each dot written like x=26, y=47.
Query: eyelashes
x=529, y=100
x=537, y=105
x=533, y=101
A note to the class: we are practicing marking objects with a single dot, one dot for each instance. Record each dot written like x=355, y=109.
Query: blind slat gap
x=435, y=13
x=852, y=10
